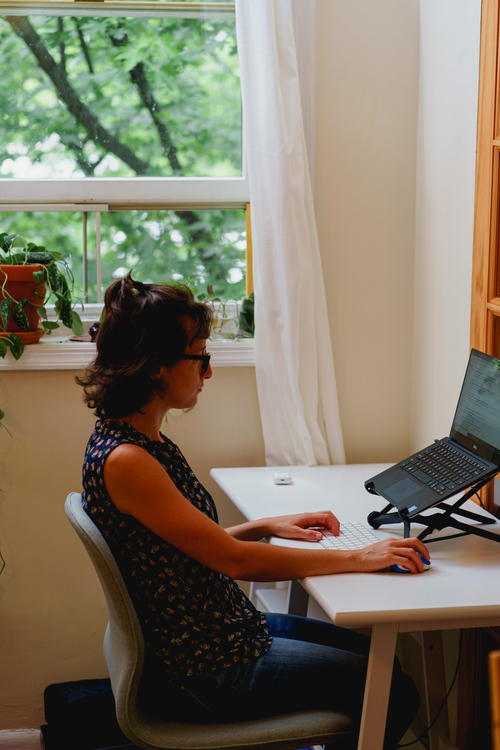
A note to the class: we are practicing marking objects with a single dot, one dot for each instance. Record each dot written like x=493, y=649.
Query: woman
x=210, y=655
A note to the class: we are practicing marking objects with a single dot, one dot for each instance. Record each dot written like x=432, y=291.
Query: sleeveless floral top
x=194, y=619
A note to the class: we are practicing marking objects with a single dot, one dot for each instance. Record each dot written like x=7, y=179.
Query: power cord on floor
x=442, y=704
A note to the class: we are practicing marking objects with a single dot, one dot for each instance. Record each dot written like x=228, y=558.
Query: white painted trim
x=130, y=9
x=60, y=207
x=167, y=192
x=53, y=353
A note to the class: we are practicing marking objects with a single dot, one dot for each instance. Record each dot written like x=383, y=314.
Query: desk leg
x=298, y=599
x=378, y=683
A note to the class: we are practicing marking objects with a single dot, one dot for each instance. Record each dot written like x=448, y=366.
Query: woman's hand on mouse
x=404, y=552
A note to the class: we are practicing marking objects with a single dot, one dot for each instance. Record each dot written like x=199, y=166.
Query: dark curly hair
x=142, y=329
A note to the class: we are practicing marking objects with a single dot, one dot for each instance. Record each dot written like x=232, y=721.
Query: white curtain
x=294, y=363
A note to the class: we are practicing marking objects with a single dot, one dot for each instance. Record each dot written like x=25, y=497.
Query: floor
x=29, y=739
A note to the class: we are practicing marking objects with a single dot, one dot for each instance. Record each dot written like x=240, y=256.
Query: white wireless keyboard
x=353, y=535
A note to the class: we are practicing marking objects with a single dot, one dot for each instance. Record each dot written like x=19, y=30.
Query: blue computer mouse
x=401, y=569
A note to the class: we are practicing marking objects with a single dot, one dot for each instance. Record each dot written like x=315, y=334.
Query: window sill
x=56, y=353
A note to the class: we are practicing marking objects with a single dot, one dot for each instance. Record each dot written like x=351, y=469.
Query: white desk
x=460, y=590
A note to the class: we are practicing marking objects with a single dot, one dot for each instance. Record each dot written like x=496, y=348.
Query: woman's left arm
x=305, y=527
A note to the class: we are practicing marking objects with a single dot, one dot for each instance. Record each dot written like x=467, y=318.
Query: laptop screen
x=476, y=424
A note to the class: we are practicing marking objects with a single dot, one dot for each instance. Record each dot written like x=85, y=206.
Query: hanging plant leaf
x=19, y=316
x=63, y=309
x=54, y=277
x=42, y=312
x=50, y=325
x=5, y=306
x=18, y=241
x=63, y=286
x=41, y=257
x=247, y=325
x=3, y=350
x=16, y=345
x=76, y=324
x=38, y=277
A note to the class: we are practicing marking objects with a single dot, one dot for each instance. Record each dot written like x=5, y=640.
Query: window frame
x=108, y=193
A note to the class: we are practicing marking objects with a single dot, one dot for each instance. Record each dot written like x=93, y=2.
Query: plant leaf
x=38, y=277
x=16, y=345
x=49, y=325
x=76, y=324
x=3, y=350
x=18, y=241
x=19, y=316
x=5, y=306
x=42, y=312
x=65, y=313
x=53, y=277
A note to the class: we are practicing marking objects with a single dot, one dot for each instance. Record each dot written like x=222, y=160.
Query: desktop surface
x=460, y=590
x=461, y=584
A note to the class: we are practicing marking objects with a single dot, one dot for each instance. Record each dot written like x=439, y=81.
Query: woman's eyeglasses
x=203, y=358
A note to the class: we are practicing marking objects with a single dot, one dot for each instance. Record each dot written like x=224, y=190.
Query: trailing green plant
x=224, y=312
x=247, y=323
x=58, y=279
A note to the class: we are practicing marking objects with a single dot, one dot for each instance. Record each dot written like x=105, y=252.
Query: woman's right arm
x=140, y=486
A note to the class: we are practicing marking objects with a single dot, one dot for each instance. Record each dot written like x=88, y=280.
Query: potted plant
x=30, y=277
x=247, y=323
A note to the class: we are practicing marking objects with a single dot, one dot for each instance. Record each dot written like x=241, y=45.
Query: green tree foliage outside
x=127, y=97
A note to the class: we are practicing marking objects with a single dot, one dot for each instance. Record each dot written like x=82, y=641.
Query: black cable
x=443, y=702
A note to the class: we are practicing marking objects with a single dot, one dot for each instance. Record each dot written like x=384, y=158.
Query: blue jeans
x=311, y=665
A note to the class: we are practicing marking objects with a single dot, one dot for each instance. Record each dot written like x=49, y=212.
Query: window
x=121, y=141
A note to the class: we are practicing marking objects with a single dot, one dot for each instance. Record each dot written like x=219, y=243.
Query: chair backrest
x=124, y=654
x=123, y=640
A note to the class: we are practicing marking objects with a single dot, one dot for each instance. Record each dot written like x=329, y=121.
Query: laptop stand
x=435, y=521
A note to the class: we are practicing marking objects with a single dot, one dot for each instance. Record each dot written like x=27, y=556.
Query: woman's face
x=184, y=380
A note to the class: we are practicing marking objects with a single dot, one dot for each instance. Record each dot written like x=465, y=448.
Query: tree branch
x=84, y=46
x=139, y=79
x=62, y=46
x=100, y=135
x=138, y=76
x=67, y=94
x=87, y=168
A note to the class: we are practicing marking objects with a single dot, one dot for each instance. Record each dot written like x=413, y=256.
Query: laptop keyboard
x=353, y=535
x=442, y=467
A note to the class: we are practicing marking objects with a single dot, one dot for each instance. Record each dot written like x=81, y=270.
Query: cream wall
x=449, y=63
x=366, y=118
x=52, y=613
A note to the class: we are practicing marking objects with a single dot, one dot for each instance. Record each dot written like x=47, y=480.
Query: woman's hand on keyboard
x=305, y=527
x=405, y=552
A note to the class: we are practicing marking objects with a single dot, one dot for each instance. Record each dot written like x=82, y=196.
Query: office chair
x=124, y=655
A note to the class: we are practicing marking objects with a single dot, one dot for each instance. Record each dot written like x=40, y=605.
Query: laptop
x=469, y=456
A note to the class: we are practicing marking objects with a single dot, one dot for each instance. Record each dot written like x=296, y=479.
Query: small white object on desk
x=282, y=477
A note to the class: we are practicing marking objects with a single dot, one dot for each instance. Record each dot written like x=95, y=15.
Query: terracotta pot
x=20, y=285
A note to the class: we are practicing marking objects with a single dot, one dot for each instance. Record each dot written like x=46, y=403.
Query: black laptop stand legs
x=435, y=521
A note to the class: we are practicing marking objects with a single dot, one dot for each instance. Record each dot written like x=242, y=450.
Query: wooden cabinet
x=485, y=313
